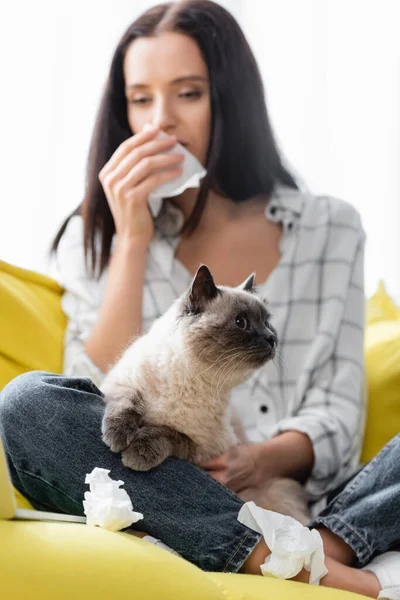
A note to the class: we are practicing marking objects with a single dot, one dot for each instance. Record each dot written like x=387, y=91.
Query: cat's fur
x=168, y=394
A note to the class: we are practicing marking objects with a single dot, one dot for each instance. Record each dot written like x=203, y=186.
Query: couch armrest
x=63, y=561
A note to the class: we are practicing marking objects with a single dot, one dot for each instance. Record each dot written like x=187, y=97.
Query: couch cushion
x=251, y=587
x=66, y=560
x=382, y=355
x=32, y=323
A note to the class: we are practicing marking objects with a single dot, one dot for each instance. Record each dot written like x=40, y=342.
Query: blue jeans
x=51, y=429
x=366, y=511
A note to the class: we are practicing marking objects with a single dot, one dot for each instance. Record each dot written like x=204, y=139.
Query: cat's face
x=228, y=328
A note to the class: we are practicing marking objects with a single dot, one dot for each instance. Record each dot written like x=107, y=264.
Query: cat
x=168, y=394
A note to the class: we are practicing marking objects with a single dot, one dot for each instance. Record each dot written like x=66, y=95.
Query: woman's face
x=166, y=83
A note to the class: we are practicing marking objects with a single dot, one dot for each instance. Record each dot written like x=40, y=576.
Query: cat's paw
x=119, y=426
x=149, y=448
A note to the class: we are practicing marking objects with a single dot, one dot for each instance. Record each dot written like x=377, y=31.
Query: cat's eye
x=242, y=322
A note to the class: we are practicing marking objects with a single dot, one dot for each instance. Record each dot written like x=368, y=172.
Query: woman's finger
x=126, y=147
x=147, y=167
x=152, y=182
x=136, y=155
x=217, y=463
x=219, y=476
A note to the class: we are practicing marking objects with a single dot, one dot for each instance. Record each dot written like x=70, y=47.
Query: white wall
x=332, y=74
x=54, y=61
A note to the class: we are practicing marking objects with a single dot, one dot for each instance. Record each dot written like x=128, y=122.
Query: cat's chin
x=260, y=358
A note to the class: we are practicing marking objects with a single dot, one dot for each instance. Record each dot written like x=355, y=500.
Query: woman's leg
x=365, y=513
x=362, y=522
x=51, y=429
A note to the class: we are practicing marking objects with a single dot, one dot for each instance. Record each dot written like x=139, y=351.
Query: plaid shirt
x=316, y=297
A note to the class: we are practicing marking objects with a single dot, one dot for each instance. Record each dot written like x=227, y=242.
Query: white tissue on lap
x=106, y=505
x=293, y=546
x=193, y=172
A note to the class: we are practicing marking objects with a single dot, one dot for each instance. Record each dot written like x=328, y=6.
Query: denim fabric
x=51, y=429
x=365, y=513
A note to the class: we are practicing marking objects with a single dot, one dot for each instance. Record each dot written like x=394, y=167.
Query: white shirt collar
x=284, y=206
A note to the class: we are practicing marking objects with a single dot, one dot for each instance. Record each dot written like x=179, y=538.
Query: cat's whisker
x=220, y=374
x=227, y=363
x=201, y=353
x=251, y=352
x=227, y=369
x=236, y=366
x=219, y=359
x=234, y=352
x=279, y=362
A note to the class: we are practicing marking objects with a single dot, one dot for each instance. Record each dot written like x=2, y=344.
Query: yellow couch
x=60, y=561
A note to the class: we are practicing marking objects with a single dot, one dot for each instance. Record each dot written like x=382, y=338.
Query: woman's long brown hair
x=243, y=159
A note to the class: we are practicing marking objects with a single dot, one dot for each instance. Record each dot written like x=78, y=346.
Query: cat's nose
x=270, y=337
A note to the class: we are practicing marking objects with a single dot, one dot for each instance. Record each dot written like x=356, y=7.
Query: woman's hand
x=238, y=468
x=133, y=171
x=289, y=454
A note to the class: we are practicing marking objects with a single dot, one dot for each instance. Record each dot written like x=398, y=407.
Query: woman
x=186, y=69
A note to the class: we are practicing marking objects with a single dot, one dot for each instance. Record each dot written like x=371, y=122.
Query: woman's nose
x=164, y=116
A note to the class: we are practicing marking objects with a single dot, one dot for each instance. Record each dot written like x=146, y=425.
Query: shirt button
x=264, y=408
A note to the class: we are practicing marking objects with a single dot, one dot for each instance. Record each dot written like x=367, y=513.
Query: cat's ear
x=202, y=290
x=249, y=284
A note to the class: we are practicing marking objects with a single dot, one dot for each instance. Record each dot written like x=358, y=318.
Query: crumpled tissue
x=193, y=172
x=106, y=505
x=293, y=546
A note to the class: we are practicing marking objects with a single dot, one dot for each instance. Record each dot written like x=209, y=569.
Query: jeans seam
x=348, y=490
x=47, y=483
x=94, y=387
x=247, y=535
x=37, y=504
x=220, y=485
x=336, y=524
x=337, y=502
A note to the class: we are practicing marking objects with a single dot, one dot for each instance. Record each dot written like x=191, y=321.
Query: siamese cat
x=168, y=394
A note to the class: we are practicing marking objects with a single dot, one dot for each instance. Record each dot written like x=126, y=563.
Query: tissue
x=193, y=172
x=106, y=505
x=293, y=546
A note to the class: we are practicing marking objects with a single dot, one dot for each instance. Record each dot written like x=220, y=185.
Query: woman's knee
x=18, y=397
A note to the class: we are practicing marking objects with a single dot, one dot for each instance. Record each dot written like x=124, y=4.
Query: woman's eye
x=242, y=322
x=185, y=95
x=190, y=95
x=139, y=100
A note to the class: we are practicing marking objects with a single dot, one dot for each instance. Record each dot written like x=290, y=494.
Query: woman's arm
x=120, y=315
x=247, y=465
x=332, y=411
x=289, y=454
x=136, y=168
x=107, y=309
